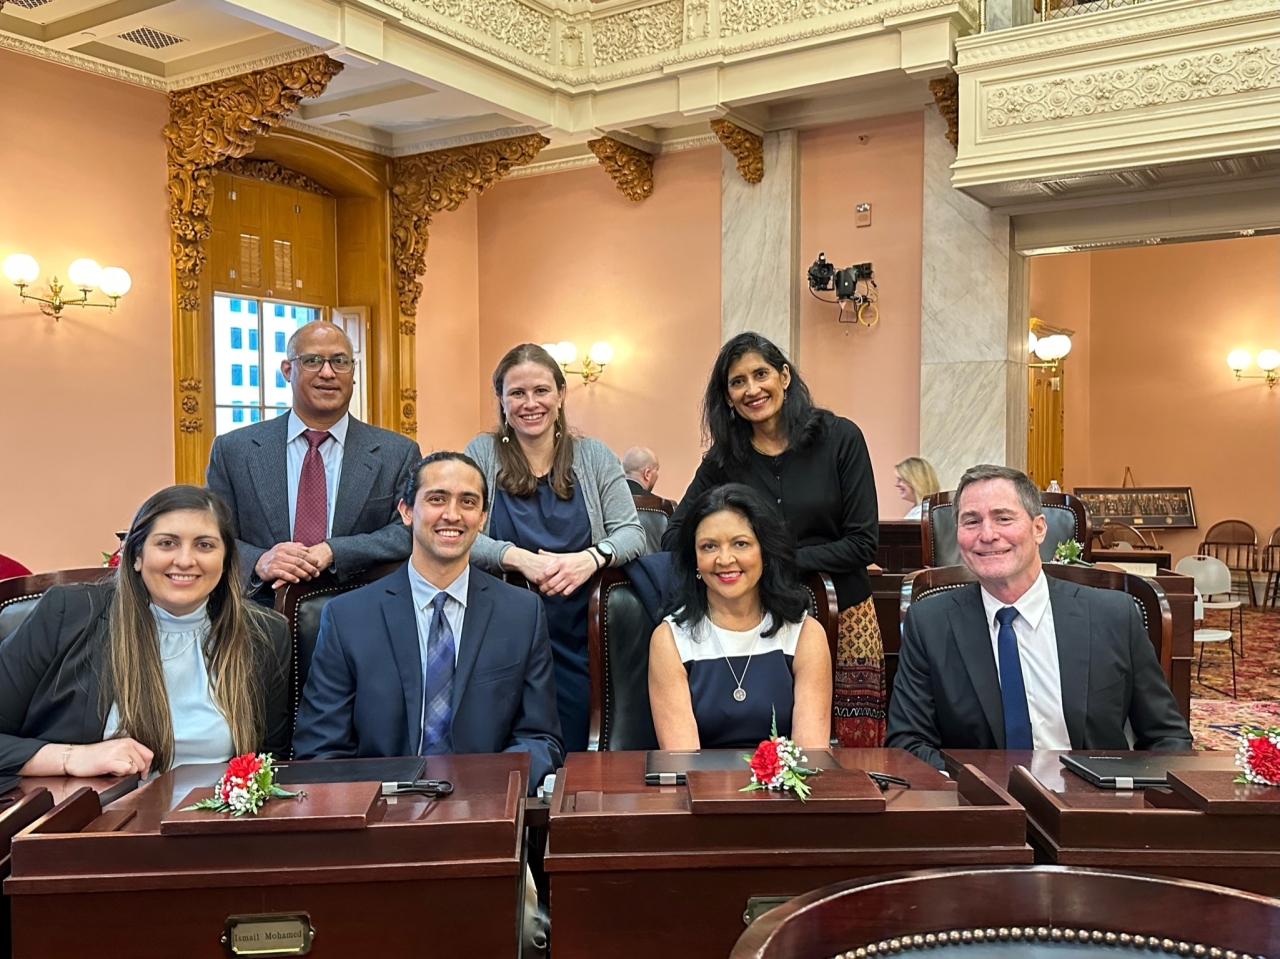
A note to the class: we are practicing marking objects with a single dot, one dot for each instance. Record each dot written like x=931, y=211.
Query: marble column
x=973, y=354
x=759, y=242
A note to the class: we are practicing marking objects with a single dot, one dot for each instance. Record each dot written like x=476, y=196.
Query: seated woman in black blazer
x=162, y=664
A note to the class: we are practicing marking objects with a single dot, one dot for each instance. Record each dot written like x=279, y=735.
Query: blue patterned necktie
x=438, y=686
x=1013, y=695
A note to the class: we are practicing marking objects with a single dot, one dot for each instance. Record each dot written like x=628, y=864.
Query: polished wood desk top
x=81, y=847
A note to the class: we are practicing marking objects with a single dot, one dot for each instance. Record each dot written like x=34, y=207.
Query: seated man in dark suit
x=640, y=466
x=438, y=657
x=315, y=490
x=1020, y=660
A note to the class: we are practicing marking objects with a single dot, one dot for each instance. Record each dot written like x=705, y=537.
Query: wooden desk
x=1073, y=823
x=441, y=875
x=634, y=871
x=1161, y=557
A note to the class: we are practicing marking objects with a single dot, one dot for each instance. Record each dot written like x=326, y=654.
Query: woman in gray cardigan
x=561, y=511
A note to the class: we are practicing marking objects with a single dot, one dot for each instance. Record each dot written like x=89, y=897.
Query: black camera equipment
x=862, y=303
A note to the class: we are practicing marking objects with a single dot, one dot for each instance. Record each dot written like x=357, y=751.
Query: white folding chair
x=1213, y=578
x=1203, y=637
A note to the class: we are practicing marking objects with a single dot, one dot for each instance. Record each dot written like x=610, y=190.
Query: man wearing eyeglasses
x=315, y=490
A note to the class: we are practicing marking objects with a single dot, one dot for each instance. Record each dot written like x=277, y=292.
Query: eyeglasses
x=314, y=362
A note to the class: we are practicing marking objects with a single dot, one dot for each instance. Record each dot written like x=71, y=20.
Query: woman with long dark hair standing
x=162, y=663
x=813, y=465
x=561, y=511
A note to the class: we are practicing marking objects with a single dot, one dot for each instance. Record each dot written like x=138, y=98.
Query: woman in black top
x=766, y=432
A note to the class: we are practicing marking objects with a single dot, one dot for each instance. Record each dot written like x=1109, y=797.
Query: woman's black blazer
x=50, y=669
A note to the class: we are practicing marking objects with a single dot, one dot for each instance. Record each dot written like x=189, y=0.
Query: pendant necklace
x=739, y=694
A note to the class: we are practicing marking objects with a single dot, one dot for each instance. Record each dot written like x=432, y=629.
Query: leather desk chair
x=655, y=513
x=1065, y=515
x=618, y=632
x=20, y=594
x=301, y=604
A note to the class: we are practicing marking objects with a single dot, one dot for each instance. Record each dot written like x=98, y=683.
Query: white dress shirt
x=1038, y=655
x=200, y=732
x=330, y=454
x=455, y=608
x=915, y=511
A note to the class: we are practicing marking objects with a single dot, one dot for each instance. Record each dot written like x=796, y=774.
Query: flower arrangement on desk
x=776, y=765
x=1069, y=553
x=246, y=785
x=1259, y=756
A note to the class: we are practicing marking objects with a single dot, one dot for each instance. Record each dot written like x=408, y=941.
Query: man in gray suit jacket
x=315, y=490
x=1020, y=660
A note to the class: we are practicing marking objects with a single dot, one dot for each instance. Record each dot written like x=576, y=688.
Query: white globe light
x=566, y=352
x=1238, y=359
x=1044, y=349
x=115, y=281
x=551, y=348
x=1064, y=345
x=601, y=353
x=1032, y=339
x=1268, y=360
x=84, y=273
x=20, y=269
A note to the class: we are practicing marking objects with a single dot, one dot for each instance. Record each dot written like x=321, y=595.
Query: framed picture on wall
x=1167, y=506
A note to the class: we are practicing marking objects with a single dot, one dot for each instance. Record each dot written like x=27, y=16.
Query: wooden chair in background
x=1235, y=543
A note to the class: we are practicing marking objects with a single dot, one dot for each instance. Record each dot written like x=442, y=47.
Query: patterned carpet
x=1215, y=716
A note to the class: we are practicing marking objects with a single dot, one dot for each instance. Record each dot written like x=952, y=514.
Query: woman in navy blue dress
x=739, y=646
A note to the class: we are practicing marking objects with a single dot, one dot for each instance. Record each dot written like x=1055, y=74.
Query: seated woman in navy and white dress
x=739, y=645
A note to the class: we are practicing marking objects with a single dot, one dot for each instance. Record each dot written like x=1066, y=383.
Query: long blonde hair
x=133, y=677
x=514, y=475
x=919, y=475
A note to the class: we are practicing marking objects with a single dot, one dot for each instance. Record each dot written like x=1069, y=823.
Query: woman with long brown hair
x=561, y=511
x=160, y=664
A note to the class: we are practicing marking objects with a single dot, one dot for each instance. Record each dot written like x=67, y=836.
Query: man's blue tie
x=438, y=688
x=1013, y=694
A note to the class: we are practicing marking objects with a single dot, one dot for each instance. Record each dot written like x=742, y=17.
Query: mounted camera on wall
x=855, y=289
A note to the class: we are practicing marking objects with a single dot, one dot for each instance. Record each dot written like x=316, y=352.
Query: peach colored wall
x=86, y=422
x=1060, y=288
x=568, y=257
x=872, y=376
x=448, y=340
x=1162, y=401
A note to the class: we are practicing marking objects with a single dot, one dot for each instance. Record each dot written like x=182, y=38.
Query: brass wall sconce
x=1268, y=361
x=85, y=275
x=1047, y=343
x=593, y=364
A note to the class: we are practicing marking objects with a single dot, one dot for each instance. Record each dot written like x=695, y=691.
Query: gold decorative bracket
x=946, y=94
x=745, y=146
x=631, y=169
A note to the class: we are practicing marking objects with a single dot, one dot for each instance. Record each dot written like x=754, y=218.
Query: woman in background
x=561, y=511
x=739, y=647
x=160, y=664
x=916, y=480
x=813, y=466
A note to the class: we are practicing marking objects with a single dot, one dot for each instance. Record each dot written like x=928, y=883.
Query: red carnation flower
x=1264, y=758
x=243, y=767
x=765, y=763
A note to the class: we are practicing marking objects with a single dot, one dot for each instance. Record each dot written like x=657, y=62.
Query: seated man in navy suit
x=438, y=657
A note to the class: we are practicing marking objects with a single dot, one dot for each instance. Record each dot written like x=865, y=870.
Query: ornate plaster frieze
x=428, y=183
x=638, y=33
x=1105, y=30
x=218, y=120
x=631, y=169
x=746, y=147
x=1121, y=87
x=747, y=16
x=271, y=172
x=946, y=94
x=301, y=52
x=448, y=143
x=69, y=59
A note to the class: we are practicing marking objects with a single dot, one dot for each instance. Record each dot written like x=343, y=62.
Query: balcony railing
x=1001, y=14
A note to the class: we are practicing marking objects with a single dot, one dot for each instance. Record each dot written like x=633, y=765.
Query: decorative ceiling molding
x=213, y=122
x=584, y=160
x=946, y=94
x=301, y=52
x=424, y=184
x=449, y=143
x=745, y=146
x=631, y=169
x=271, y=172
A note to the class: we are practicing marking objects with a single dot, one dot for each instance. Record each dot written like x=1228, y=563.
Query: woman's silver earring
x=506, y=438
x=697, y=576
x=137, y=566
x=557, y=434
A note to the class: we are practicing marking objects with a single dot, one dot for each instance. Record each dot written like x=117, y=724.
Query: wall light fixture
x=1268, y=361
x=85, y=275
x=564, y=353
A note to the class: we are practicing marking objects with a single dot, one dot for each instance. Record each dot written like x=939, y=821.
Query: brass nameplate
x=268, y=935
x=757, y=906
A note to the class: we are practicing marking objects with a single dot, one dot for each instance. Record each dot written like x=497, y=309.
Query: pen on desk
x=884, y=779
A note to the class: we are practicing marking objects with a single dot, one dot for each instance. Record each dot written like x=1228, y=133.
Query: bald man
x=315, y=490
x=640, y=465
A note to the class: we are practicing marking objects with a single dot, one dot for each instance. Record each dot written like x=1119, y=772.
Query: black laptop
x=1139, y=770
x=668, y=768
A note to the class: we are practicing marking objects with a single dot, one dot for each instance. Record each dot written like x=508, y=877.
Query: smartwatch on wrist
x=606, y=551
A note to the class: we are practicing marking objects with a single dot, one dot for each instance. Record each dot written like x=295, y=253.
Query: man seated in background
x=315, y=490
x=438, y=657
x=1020, y=660
x=640, y=466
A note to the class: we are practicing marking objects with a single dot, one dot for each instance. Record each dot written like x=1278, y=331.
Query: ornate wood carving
x=218, y=120
x=946, y=93
x=428, y=183
x=631, y=169
x=745, y=146
x=271, y=172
